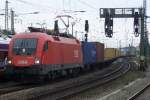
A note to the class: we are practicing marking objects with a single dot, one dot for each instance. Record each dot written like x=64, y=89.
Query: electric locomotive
x=43, y=55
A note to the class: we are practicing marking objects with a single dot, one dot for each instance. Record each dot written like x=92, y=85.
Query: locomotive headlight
x=9, y=61
x=37, y=61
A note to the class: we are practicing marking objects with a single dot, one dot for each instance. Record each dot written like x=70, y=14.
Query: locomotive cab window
x=24, y=46
x=45, y=46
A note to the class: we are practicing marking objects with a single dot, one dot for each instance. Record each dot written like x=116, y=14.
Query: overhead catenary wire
x=25, y=2
x=87, y=4
x=45, y=6
x=37, y=5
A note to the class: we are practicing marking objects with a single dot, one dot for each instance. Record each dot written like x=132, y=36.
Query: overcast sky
x=49, y=9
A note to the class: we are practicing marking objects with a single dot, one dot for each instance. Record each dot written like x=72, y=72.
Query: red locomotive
x=43, y=55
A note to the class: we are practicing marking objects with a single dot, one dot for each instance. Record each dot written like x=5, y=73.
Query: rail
x=137, y=94
x=69, y=87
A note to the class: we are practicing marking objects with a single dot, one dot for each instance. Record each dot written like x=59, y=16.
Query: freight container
x=111, y=53
x=118, y=52
x=92, y=52
x=99, y=51
x=89, y=52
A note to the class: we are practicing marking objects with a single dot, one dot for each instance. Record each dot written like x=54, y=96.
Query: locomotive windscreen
x=24, y=46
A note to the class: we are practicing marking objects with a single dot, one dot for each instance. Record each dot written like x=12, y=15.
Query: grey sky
x=49, y=9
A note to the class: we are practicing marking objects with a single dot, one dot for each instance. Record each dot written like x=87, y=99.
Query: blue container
x=89, y=52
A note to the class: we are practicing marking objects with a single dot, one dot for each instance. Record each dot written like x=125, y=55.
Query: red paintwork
x=64, y=51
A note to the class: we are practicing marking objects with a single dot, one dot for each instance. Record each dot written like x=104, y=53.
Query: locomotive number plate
x=22, y=62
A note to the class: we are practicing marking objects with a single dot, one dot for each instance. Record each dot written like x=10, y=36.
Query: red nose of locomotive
x=23, y=52
x=24, y=61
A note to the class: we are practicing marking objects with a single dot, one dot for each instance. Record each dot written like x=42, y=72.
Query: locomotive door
x=45, y=53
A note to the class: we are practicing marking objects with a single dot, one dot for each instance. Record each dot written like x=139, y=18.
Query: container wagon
x=99, y=51
x=111, y=53
x=92, y=52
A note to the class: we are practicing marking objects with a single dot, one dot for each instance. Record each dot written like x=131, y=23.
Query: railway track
x=14, y=86
x=140, y=92
x=61, y=95
x=69, y=87
x=9, y=84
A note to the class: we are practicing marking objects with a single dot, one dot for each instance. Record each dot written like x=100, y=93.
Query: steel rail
x=37, y=92
x=137, y=94
x=94, y=84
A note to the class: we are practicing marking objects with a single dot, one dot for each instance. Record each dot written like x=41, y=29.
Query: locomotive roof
x=45, y=36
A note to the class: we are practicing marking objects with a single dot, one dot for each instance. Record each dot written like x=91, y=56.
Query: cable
x=25, y=2
x=88, y=5
x=36, y=5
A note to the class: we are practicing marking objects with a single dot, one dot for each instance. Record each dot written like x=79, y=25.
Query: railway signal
x=86, y=30
x=136, y=24
x=139, y=15
x=108, y=24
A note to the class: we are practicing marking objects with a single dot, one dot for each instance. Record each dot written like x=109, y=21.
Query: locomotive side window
x=45, y=46
x=24, y=46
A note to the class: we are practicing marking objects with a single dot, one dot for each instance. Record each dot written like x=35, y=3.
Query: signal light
x=136, y=24
x=136, y=31
x=109, y=27
x=86, y=26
